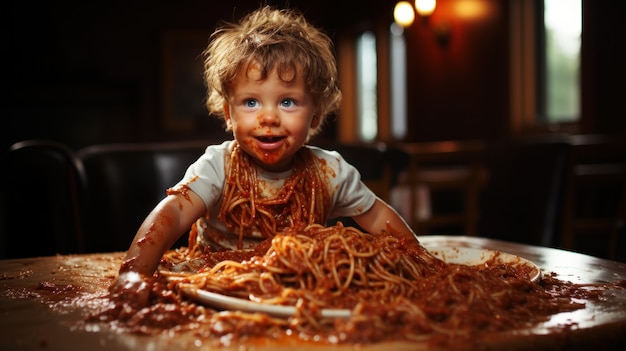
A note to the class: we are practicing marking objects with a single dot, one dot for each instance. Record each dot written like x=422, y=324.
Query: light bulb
x=425, y=7
x=403, y=14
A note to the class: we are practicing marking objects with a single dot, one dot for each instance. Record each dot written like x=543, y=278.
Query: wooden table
x=36, y=315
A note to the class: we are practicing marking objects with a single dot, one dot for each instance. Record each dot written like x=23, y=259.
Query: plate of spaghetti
x=321, y=273
x=484, y=258
x=479, y=258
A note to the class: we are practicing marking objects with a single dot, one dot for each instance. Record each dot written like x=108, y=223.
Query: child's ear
x=315, y=122
x=229, y=125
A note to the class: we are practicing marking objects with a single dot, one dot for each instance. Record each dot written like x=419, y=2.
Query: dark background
x=102, y=72
x=88, y=72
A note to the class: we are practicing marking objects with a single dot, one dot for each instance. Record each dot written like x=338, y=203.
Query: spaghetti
x=303, y=198
x=331, y=267
x=392, y=292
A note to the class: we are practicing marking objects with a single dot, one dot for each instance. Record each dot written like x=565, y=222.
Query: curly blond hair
x=272, y=39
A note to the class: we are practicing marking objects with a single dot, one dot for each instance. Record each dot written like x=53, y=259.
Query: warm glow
x=425, y=7
x=472, y=9
x=403, y=14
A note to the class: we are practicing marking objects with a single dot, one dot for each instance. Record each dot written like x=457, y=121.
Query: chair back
x=523, y=198
x=41, y=200
x=125, y=182
x=595, y=212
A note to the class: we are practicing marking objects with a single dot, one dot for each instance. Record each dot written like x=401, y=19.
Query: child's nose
x=269, y=117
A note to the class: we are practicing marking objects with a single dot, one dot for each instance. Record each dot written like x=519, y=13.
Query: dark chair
x=523, y=198
x=595, y=213
x=41, y=200
x=125, y=182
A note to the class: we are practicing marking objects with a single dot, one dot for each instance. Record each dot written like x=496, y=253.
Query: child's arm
x=381, y=218
x=172, y=217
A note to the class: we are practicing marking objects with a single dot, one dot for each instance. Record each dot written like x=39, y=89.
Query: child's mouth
x=270, y=139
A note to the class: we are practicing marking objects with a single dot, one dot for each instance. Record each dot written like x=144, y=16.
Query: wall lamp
x=425, y=8
x=404, y=16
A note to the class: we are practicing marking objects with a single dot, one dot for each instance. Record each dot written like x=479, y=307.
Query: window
x=367, y=86
x=562, y=24
x=392, y=118
x=545, y=63
x=398, y=82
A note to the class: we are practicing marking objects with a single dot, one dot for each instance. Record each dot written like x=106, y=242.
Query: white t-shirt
x=206, y=177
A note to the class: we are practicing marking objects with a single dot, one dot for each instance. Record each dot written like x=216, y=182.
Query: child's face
x=270, y=118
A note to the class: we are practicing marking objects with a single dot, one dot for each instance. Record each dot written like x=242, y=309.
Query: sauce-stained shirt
x=207, y=175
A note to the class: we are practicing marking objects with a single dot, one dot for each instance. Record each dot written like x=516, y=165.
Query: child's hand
x=132, y=289
x=420, y=253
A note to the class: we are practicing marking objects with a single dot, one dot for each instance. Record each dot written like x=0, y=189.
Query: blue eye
x=251, y=103
x=287, y=103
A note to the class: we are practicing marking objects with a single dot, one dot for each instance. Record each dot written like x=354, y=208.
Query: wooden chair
x=523, y=198
x=595, y=214
x=439, y=192
x=41, y=200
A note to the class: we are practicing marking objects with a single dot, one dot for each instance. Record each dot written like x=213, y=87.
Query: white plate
x=458, y=255
x=472, y=257
x=237, y=304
